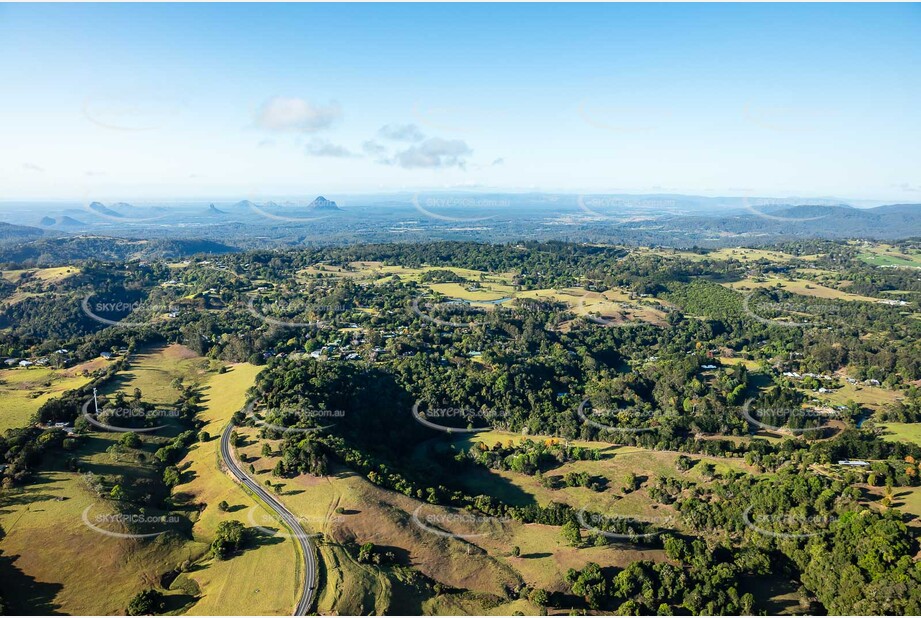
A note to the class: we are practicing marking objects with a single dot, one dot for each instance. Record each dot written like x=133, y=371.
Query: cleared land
x=798, y=286
x=484, y=289
x=615, y=463
x=23, y=391
x=52, y=508
x=901, y=432
x=261, y=580
x=154, y=370
x=871, y=397
x=47, y=275
x=348, y=509
x=887, y=255
x=733, y=253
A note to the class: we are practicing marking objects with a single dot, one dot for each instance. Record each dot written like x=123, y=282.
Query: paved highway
x=310, y=572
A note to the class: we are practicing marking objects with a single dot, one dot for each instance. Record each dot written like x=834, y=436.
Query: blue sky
x=175, y=101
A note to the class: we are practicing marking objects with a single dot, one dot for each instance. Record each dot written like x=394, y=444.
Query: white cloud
x=297, y=115
x=323, y=148
x=401, y=132
x=32, y=167
x=433, y=153
x=376, y=151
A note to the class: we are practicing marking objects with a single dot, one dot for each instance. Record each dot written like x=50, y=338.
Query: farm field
x=410, y=526
x=23, y=390
x=379, y=272
x=901, y=432
x=153, y=371
x=114, y=569
x=45, y=275
x=262, y=580
x=485, y=289
x=798, y=286
x=53, y=509
x=521, y=489
x=348, y=509
x=879, y=254
x=741, y=254
x=908, y=499
x=735, y=360
x=872, y=397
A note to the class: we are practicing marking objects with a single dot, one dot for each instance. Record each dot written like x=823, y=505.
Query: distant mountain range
x=320, y=203
x=18, y=233
x=883, y=222
x=62, y=222
x=668, y=220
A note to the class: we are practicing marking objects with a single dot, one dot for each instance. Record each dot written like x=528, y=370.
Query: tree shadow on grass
x=173, y=603
x=18, y=499
x=23, y=594
x=270, y=535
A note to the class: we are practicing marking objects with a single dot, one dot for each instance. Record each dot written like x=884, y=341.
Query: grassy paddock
x=901, y=432
x=45, y=275
x=23, y=390
x=798, y=286
x=109, y=571
x=154, y=370
x=262, y=580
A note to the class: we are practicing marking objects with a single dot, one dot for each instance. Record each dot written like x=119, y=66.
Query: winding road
x=307, y=549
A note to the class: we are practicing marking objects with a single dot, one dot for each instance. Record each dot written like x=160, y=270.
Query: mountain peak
x=321, y=203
